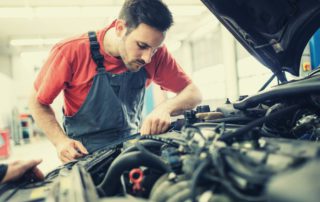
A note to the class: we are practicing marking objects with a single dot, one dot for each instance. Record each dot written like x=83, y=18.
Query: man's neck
x=110, y=42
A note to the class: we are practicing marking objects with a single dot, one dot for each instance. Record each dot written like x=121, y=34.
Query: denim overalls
x=112, y=109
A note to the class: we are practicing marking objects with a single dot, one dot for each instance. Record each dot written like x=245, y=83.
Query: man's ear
x=121, y=27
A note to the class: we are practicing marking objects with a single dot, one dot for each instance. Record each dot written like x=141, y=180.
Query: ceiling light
x=59, y=12
x=84, y=11
x=34, y=42
x=18, y=12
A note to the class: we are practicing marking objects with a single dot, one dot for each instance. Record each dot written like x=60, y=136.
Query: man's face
x=138, y=46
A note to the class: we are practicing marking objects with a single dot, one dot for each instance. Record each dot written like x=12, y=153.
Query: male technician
x=103, y=76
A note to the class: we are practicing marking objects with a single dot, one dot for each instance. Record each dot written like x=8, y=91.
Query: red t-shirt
x=70, y=68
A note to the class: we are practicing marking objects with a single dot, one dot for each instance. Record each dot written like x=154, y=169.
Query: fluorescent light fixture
x=16, y=12
x=33, y=54
x=59, y=12
x=84, y=11
x=187, y=10
x=34, y=42
x=76, y=12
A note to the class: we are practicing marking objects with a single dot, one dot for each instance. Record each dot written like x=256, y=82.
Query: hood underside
x=274, y=31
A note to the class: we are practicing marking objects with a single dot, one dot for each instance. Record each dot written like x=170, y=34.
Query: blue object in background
x=315, y=50
x=148, y=101
x=1, y=141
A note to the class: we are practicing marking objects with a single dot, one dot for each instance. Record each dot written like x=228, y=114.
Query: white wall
x=238, y=73
x=25, y=69
x=252, y=75
x=6, y=100
x=6, y=92
x=25, y=66
x=183, y=56
x=5, y=65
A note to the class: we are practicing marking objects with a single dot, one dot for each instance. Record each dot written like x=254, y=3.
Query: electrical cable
x=119, y=142
x=7, y=198
x=209, y=124
x=36, y=184
x=159, y=139
x=230, y=119
x=242, y=131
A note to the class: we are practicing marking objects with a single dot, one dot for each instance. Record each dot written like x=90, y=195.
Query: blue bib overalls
x=112, y=108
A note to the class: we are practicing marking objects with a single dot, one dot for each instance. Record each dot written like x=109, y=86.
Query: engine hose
x=159, y=189
x=176, y=189
x=159, y=181
x=195, y=178
x=206, y=124
x=230, y=119
x=170, y=142
x=233, y=191
x=167, y=190
x=229, y=138
x=181, y=196
x=127, y=162
x=145, y=143
x=256, y=178
x=258, y=175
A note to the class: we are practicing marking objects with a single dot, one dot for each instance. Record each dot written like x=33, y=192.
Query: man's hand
x=157, y=122
x=69, y=150
x=17, y=169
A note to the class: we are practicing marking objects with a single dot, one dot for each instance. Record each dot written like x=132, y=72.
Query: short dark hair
x=151, y=12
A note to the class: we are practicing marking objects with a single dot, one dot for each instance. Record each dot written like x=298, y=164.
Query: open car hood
x=274, y=31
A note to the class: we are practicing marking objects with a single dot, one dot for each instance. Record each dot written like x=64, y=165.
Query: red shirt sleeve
x=168, y=73
x=53, y=76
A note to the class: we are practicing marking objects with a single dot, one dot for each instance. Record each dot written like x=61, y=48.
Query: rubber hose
x=181, y=196
x=175, y=189
x=241, y=131
x=199, y=171
x=157, y=192
x=227, y=125
x=231, y=119
x=145, y=143
x=157, y=184
x=111, y=182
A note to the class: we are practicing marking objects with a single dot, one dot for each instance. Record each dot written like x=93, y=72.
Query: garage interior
x=217, y=63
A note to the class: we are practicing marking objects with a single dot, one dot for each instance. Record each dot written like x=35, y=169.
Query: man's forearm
x=46, y=120
x=188, y=98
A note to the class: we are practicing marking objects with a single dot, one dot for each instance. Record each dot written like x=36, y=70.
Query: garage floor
x=37, y=148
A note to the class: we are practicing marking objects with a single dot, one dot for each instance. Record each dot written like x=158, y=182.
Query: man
x=15, y=170
x=103, y=76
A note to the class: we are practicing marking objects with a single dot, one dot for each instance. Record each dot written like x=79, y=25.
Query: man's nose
x=147, y=55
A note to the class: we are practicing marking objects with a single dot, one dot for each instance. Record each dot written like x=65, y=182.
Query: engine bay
x=261, y=148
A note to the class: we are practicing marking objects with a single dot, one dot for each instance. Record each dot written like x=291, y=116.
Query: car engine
x=261, y=148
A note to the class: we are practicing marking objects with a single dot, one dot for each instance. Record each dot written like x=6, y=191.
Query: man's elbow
x=196, y=95
x=33, y=103
x=32, y=99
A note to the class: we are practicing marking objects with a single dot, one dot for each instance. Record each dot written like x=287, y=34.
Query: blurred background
x=217, y=63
